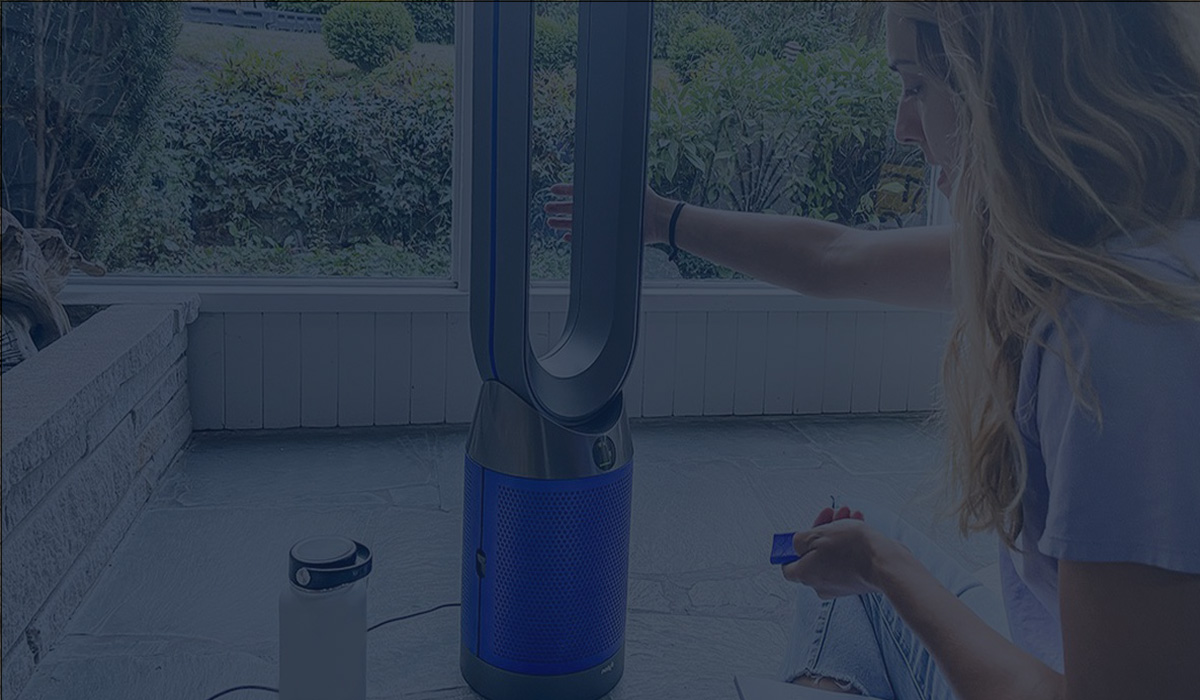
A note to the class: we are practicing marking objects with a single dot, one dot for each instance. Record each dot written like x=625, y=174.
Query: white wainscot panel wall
x=709, y=352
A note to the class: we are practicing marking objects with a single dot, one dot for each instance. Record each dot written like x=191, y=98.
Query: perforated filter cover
x=553, y=596
x=561, y=566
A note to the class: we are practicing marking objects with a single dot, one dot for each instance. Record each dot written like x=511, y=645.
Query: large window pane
x=552, y=158
x=235, y=138
x=779, y=107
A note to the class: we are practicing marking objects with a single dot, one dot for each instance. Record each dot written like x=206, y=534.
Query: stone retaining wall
x=89, y=425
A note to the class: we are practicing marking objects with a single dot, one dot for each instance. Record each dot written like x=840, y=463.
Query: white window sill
x=282, y=295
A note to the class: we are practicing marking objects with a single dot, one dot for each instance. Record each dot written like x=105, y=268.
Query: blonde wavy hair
x=1077, y=123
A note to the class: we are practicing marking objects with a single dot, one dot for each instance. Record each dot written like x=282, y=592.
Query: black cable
x=374, y=626
x=409, y=617
x=243, y=687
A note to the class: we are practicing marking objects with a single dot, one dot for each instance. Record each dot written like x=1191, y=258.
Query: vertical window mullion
x=460, y=195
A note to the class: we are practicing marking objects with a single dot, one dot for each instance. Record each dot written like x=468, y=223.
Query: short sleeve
x=1127, y=489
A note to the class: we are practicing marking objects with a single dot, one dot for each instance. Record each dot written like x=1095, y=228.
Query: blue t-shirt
x=1126, y=491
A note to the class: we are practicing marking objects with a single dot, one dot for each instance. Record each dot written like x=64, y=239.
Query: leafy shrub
x=303, y=165
x=695, y=42
x=368, y=34
x=666, y=14
x=371, y=257
x=763, y=28
x=144, y=221
x=554, y=43
x=102, y=66
x=801, y=115
x=552, y=160
x=674, y=18
x=565, y=11
x=433, y=20
x=257, y=75
x=403, y=76
x=549, y=258
x=760, y=134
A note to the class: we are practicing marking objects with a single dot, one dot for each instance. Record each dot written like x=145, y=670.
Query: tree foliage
x=433, y=20
x=554, y=43
x=695, y=41
x=368, y=34
x=78, y=81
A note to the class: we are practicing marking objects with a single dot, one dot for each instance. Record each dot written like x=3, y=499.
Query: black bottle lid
x=322, y=563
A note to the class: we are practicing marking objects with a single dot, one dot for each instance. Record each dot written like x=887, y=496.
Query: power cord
x=409, y=617
x=377, y=625
x=227, y=691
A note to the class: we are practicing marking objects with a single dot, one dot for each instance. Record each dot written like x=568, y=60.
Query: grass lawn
x=201, y=48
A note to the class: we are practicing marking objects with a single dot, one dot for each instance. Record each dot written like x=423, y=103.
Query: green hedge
x=751, y=134
x=760, y=134
x=263, y=156
x=368, y=34
x=564, y=11
x=554, y=43
x=433, y=20
x=697, y=41
x=822, y=125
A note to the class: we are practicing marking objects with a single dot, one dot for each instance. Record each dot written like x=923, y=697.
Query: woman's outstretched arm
x=906, y=267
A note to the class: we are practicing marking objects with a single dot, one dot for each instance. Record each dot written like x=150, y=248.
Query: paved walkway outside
x=188, y=605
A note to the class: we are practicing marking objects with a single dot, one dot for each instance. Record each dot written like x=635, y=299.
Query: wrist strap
x=674, y=254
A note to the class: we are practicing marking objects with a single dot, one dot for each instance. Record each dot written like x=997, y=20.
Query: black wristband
x=674, y=254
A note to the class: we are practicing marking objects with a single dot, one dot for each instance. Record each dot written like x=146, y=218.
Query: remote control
x=782, y=551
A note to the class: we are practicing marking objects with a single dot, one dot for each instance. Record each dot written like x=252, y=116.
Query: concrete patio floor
x=188, y=605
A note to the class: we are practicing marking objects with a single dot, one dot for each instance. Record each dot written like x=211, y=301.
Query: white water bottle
x=323, y=621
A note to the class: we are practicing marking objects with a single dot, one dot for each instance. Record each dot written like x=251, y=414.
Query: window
x=780, y=107
x=189, y=143
x=239, y=139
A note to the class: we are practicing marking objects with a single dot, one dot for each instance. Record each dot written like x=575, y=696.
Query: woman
x=1069, y=139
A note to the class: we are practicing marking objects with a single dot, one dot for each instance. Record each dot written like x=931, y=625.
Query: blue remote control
x=782, y=551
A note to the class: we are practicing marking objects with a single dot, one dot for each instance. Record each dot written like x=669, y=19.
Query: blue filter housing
x=545, y=553
x=549, y=460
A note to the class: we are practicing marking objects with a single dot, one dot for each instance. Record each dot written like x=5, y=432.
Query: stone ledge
x=50, y=621
x=134, y=390
x=41, y=548
x=86, y=291
x=153, y=401
x=20, y=498
x=158, y=430
x=170, y=451
x=49, y=396
x=92, y=423
x=142, y=395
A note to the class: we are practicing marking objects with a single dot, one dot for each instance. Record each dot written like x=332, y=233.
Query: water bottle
x=323, y=621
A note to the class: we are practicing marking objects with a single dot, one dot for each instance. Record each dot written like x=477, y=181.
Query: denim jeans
x=861, y=643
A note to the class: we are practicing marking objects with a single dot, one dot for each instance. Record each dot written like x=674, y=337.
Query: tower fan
x=548, y=469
